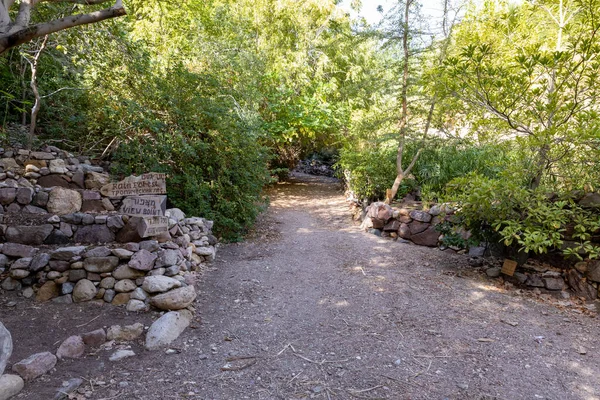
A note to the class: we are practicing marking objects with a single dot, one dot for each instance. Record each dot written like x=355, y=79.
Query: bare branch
x=26, y=34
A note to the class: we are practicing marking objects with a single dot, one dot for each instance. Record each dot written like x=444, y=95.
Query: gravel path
x=311, y=307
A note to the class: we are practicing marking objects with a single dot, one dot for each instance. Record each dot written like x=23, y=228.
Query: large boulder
x=18, y=250
x=6, y=347
x=167, y=328
x=429, y=237
x=175, y=299
x=84, y=290
x=94, y=234
x=63, y=201
x=34, y=235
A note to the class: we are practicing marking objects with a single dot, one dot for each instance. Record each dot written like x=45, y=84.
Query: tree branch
x=26, y=34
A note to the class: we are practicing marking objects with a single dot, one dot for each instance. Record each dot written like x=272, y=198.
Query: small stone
x=39, y=262
x=136, y=306
x=125, y=285
x=67, y=288
x=149, y=245
x=108, y=282
x=120, y=299
x=125, y=333
x=99, y=251
x=35, y=365
x=139, y=294
x=67, y=253
x=94, y=338
x=109, y=295
x=122, y=254
x=72, y=347
x=121, y=354
x=124, y=272
x=493, y=272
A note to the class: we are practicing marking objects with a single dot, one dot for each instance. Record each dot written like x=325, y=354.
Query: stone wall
x=412, y=224
x=62, y=240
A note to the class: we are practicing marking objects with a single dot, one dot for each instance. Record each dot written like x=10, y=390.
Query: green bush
x=526, y=219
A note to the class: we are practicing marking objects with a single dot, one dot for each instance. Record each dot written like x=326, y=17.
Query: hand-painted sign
x=152, y=183
x=152, y=226
x=144, y=206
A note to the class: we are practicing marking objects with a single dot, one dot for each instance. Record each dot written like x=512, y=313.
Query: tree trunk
x=36, y=106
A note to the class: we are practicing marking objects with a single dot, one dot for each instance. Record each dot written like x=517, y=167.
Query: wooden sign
x=144, y=206
x=152, y=226
x=152, y=183
x=509, y=267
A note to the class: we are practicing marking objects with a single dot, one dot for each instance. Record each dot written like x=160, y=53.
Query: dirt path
x=311, y=307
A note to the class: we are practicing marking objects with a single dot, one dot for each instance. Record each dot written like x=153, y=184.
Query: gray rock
x=21, y=263
x=6, y=347
x=18, y=250
x=94, y=338
x=159, y=284
x=136, y=306
x=67, y=287
x=124, y=272
x=10, y=284
x=535, y=280
x=57, y=166
x=41, y=199
x=95, y=180
x=71, y=347
x=139, y=294
x=19, y=273
x=149, y=245
x=69, y=386
x=420, y=216
x=7, y=195
x=87, y=219
x=125, y=286
x=592, y=273
x=493, y=272
x=476, y=251
x=10, y=385
x=100, y=251
x=13, y=208
x=143, y=260
x=166, y=258
x=107, y=283
x=554, y=283
x=66, y=229
x=172, y=270
x=58, y=265
x=33, y=235
x=100, y=264
x=167, y=329
x=122, y=254
x=175, y=213
x=3, y=261
x=29, y=209
x=25, y=195
x=115, y=223
x=109, y=295
x=63, y=201
x=121, y=354
x=35, y=365
x=84, y=291
x=65, y=299
x=67, y=253
x=175, y=299
x=94, y=234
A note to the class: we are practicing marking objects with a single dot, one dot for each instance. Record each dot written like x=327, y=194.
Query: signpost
x=152, y=226
x=144, y=197
x=152, y=183
x=144, y=206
